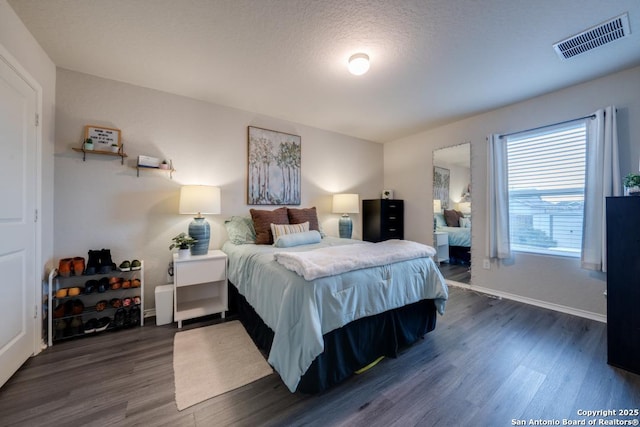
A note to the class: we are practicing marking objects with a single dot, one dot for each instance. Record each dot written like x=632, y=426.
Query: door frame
x=39, y=277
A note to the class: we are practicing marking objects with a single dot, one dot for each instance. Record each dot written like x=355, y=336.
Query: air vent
x=604, y=33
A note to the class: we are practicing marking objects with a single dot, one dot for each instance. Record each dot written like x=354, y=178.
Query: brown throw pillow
x=298, y=216
x=452, y=217
x=262, y=221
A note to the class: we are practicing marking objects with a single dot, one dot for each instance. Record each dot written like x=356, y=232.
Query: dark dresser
x=382, y=219
x=623, y=282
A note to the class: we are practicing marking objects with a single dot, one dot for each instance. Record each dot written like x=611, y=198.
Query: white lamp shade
x=437, y=206
x=346, y=203
x=464, y=207
x=199, y=199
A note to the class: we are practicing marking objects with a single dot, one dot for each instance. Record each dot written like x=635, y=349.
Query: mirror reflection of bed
x=452, y=211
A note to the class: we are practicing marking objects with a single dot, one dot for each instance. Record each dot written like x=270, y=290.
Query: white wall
x=101, y=204
x=15, y=38
x=540, y=279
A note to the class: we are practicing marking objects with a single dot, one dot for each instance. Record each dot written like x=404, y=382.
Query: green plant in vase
x=632, y=185
x=183, y=242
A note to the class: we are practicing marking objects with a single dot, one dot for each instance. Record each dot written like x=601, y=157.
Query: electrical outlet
x=486, y=264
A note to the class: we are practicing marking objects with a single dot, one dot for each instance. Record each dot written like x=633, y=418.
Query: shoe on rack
x=91, y=325
x=64, y=267
x=136, y=265
x=135, y=283
x=126, y=302
x=119, y=318
x=90, y=286
x=78, y=307
x=124, y=266
x=115, y=283
x=93, y=263
x=78, y=266
x=101, y=305
x=115, y=302
x=103, y=324
x=106, y=264
x=134, y=316
x=103, y=285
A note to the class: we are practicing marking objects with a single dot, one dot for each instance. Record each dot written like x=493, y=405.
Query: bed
x=318, y=332
x=459, y=237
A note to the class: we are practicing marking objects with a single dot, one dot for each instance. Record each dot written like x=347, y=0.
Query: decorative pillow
x=297, y=239
x=465, y=223
x=262, y=221
x=240, y=230
x=439, y=218
x=452, y=217
x=298, y=216
x=278, y=230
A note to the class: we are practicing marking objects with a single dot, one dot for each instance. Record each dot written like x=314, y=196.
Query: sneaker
x=91, y=325
x=134, y=316
x=119, y=318
x=136, y=265
x=103, y=324
x=125, y=266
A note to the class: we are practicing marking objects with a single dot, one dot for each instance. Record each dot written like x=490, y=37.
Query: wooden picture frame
x=273, y=173
x=103, y=137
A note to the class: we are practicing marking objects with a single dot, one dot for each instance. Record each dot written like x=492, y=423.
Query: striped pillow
x=281, y=229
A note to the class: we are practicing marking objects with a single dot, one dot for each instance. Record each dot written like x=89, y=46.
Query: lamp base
x=345, y=227
x=199, y=230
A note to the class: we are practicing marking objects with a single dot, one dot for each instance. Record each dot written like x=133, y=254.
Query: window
x=546, y=176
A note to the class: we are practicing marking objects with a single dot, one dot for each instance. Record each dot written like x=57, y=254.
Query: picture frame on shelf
x=103, y=138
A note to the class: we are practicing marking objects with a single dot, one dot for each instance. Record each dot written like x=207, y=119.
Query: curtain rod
x=590, y=116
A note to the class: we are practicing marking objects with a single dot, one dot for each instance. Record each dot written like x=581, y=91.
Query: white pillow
x=465, y=222
x=281, y=229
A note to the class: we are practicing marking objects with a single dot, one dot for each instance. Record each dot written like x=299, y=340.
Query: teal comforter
x=300, y=312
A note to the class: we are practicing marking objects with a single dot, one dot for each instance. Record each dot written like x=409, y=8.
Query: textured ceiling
x=432, y=61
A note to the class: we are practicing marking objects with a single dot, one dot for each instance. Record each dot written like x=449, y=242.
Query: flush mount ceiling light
x=359, y=64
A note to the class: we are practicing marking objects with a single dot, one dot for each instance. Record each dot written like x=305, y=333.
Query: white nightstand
x=441, y=243
x=200, y=286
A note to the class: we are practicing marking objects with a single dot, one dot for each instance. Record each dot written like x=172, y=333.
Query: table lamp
x=345, y=204
x=199, y=199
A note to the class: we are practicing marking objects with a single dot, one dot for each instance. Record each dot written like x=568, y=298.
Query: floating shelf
x=84, y=152
x=170, y=169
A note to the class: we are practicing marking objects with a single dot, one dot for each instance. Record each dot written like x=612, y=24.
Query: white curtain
x=601, y=181
x=498, y=245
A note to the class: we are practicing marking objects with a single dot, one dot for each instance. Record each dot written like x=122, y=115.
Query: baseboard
x=543, y=304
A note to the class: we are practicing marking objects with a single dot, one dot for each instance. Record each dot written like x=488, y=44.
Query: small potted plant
x=115, y=148
x=164, y=165
x=88, y=144
x=632, y=185
x=183, y=243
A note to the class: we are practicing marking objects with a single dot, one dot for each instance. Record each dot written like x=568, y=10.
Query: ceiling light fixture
x=359, y=64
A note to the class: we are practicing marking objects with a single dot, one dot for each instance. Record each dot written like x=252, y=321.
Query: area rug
x=213, y=360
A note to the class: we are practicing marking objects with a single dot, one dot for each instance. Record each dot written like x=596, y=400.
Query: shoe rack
x=79, y=305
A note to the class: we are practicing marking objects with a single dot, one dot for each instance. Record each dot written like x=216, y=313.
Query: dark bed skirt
x=460, y=255
x=351, y=347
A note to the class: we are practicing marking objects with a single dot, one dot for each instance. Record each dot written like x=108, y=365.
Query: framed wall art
x=441, y=186
x=273, y=167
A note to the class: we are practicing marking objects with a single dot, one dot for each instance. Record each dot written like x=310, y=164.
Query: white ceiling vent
x=606, y=32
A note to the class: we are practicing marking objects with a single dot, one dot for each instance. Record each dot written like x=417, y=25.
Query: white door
x=18, y=141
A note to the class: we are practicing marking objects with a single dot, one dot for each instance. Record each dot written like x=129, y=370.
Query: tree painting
x=274, y=168
x=441, y=186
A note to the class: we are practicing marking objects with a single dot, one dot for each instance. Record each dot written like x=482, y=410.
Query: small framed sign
x=103, y=138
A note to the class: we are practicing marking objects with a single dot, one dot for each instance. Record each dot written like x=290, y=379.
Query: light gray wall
x=540, y=279
x=102, y=204
x=15, y=38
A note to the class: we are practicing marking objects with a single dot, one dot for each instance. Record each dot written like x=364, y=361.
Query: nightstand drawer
x=441, y=238
x=200, y=271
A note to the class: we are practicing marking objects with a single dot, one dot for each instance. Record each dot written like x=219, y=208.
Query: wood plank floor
x=488, y=362
x=456, y=272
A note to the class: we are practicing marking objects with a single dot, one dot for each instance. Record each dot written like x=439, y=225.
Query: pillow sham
x=278, y=230
x=298, y=216
x=240, y=230
x=297, y=239
x=262, y=220
x=439, y=218
x=465, y=223
x=452, y=217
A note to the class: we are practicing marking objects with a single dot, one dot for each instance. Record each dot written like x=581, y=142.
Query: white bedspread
x=332, y=260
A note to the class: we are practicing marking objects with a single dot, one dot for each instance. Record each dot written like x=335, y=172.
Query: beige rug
x=213, y=360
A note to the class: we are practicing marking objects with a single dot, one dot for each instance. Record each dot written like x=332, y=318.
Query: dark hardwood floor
x=488, y=362
x=459, y=273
